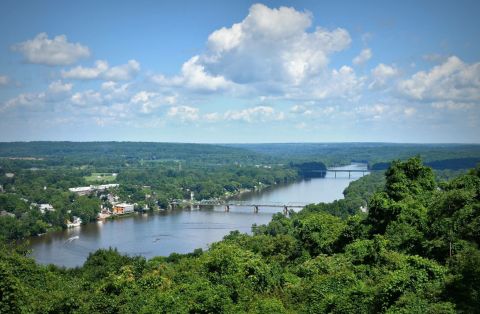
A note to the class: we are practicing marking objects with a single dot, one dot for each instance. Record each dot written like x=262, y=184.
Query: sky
x=240, y=71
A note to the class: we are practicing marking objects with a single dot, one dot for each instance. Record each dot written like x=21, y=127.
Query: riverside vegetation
x=416, y=251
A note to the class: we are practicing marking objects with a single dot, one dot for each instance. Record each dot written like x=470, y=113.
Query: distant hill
x=372, y=153
x=129, y=151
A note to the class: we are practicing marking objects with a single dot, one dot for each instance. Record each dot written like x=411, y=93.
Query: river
x=181, y=231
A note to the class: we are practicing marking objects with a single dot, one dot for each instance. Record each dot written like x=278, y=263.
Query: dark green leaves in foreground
x=416, y=251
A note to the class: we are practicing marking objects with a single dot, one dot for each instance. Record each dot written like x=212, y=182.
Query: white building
x=46, y=207
x=104, y=187
x=85, y=190
x=82, y=190
x=77, y=221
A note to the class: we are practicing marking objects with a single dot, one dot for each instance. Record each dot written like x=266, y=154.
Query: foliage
x=414, y=251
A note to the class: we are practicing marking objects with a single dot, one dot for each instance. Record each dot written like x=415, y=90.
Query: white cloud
x=212, y=117
x=83, y=73
x=259, y=113
x=87, y=98
x=409, y=111
x=123, y=72
x=4, y=80
x=149, y=101
x=381, y=74
x=58, y=87
x=452, y=105
x=452, y=80
x=300, y=109
x=271, y=50
x=56, y=51
x=101, y=70
x=24, y=100
x=374, y=112
x=114, y=91
x=55, y=92
x=184, y=113
x=194, y=77
x=343, y=83
x=363, y=57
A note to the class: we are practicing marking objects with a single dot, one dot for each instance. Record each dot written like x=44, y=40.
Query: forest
x=415, y=251
x=151, y=175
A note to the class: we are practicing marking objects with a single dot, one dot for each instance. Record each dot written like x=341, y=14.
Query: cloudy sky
x=240, y=71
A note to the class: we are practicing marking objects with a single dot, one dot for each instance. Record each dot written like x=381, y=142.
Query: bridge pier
x=227, y=208
x=255, y=209
x=285, y=210
x=349, y=174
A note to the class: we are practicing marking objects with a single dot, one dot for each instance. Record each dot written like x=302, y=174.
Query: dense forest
x=415, y=251
x=460, y=156
x=151, y=175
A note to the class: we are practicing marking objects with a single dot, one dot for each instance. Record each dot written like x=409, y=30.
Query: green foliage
x=415, y=251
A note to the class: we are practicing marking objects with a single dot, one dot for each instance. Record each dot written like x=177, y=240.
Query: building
x=77, y=221
x=85, y=190
x=46, y=207
x=82, y=190
x=122, y=208
x=103, y=187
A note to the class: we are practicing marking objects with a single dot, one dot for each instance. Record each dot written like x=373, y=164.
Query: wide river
x=182, y=231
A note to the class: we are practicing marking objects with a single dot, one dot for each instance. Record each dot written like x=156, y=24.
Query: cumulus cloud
x=58, y=87
x=254, y=114
x=149, y=101
x=300, y=109
x=184, y=113
x=84, y=73
x=452, y=80
x=381, y=74
x=4, y=80
x=55, y=92
x=86, y=98
x=56, y=51
x=452, y=105
x=373, y=112
x=195, y=77
x=101, y=70
x=271, y=50
x=363, y=57
x=342, y=83
x=123, y=72
x=24, y=100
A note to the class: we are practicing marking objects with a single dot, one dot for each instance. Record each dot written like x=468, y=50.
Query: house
x=122, y=208
x=46, y=207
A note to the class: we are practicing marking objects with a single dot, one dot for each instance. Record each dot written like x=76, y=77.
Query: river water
x=182, y=231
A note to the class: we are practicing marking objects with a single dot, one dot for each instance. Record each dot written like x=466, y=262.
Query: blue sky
x=240, y=71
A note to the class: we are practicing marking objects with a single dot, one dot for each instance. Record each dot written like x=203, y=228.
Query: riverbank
x=179, y=231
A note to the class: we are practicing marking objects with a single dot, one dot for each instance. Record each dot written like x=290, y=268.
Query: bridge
x=363, y=171
x=234, y=203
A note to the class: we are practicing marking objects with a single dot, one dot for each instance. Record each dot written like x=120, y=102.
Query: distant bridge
x=234, y=203
x=363, y=171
